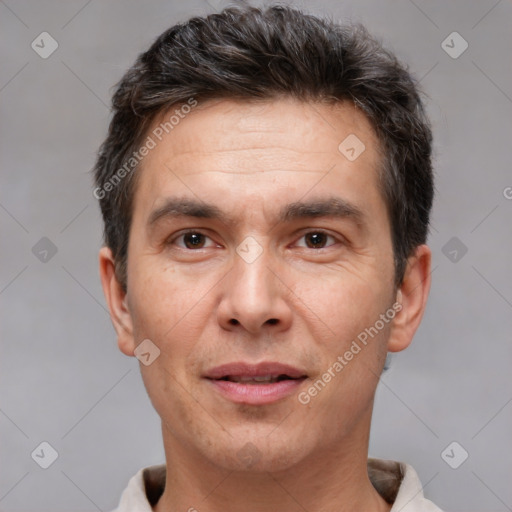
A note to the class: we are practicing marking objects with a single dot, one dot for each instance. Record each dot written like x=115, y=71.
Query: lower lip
x=256, y=394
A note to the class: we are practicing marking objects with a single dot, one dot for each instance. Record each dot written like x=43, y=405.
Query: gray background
x=62, y=377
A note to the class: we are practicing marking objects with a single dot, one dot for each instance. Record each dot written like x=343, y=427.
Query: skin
x=300, y=302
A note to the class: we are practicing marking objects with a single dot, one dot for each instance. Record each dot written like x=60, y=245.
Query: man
x=266, y=186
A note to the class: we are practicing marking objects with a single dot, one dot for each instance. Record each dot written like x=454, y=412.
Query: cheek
x=161, y=296
x=174, y=310
x=164, y=385
x=341, y=305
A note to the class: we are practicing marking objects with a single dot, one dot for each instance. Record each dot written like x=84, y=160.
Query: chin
x=258, y=454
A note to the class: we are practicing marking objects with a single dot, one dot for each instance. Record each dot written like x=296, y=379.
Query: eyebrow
x=329, y=207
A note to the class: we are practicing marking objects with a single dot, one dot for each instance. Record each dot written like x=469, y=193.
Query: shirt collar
x=396, y=482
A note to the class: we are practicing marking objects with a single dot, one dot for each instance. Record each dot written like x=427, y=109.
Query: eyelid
x=338, y=238
x=175, y=236
x=298, y=236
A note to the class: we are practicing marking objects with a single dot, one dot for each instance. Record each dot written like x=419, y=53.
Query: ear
x=412, y=295
x=116, y=301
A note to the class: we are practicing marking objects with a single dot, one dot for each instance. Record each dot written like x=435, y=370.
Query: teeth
x=267, y=379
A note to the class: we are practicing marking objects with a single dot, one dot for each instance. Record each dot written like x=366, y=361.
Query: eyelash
x=171, y=241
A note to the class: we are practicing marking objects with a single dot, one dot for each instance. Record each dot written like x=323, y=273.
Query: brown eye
x=317, y=240
x=193, y=240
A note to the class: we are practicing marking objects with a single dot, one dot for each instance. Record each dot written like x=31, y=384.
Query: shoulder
x=143, y=490
x=399, y=484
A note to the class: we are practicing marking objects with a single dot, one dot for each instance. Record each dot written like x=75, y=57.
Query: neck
x=330, y=480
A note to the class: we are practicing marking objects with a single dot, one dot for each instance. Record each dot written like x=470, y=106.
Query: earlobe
x=412, y=295
x=117, y=302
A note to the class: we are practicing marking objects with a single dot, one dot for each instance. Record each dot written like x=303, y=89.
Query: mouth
x=258, y=384
x=257, y=379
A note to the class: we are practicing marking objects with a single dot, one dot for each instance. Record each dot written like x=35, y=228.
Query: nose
x=254, y=298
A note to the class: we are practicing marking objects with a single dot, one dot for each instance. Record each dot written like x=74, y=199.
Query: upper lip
x=242, y=369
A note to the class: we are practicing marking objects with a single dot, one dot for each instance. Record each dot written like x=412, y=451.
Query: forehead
x=235, y=124
x=257, y=147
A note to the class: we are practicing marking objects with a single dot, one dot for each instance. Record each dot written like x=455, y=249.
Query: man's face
x=261, y=275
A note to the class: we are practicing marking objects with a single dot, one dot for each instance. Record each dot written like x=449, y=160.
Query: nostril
x=270, y=321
